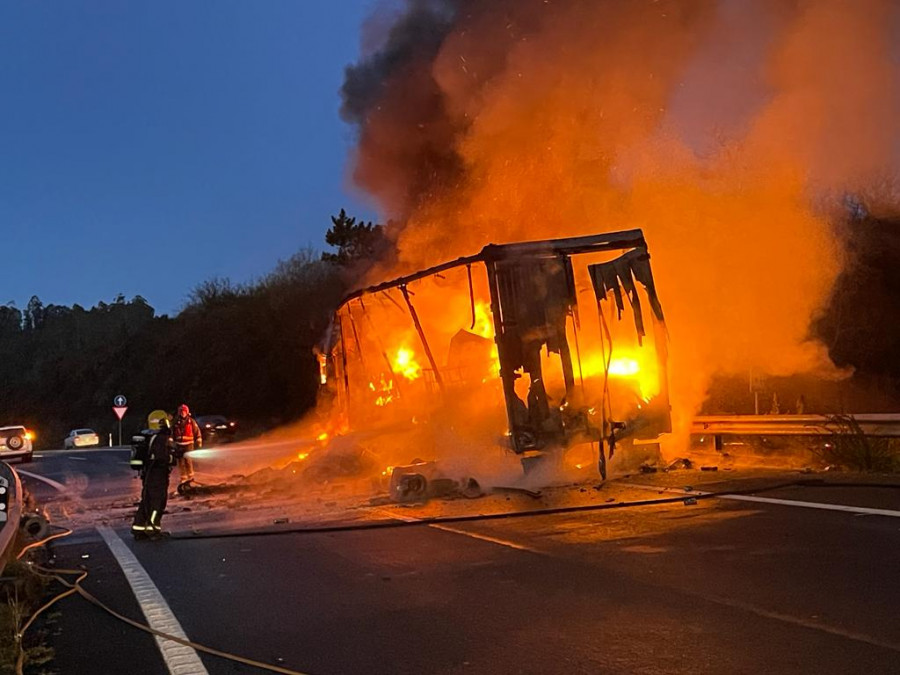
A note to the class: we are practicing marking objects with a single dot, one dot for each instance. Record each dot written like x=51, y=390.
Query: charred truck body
x=514, y=345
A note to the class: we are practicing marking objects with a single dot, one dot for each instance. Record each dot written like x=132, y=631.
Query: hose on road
x=531, y=513
x=75, y=587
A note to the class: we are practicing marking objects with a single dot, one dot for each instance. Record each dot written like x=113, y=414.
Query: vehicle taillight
x=29, y=435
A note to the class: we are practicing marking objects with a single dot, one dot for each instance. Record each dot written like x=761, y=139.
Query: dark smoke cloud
x=405, y=135
x=409, y=128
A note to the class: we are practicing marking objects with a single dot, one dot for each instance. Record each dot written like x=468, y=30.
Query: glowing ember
x=322, y=437
x=484, y=322
x=385, y=392
x=639, y=367
x=624, y=367
x=405, y=364
x=303, y=455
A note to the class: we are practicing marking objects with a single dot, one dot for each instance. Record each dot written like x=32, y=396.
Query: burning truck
x=539, y=351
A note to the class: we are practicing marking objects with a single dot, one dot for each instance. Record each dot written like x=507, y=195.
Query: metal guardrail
x=10, y=510
x=880, y=424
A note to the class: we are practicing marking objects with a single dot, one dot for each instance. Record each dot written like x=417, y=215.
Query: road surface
x=720, y=586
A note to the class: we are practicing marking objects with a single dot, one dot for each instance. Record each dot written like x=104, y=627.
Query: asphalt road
x=722, y=586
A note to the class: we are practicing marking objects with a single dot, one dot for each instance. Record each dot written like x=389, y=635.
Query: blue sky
x=205, y=132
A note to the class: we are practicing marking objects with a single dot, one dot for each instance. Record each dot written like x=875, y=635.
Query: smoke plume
x=725, y=129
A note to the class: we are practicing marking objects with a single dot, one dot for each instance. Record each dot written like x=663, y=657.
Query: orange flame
x=405, y=363
x=385, y=392
x=637, y=368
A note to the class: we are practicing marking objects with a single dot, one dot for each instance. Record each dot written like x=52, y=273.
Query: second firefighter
x=187, y=437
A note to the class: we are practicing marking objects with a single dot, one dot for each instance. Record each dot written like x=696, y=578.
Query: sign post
x=120, y=405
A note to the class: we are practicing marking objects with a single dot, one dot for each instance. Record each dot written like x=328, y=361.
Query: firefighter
x=186, y=434
x=156, y=464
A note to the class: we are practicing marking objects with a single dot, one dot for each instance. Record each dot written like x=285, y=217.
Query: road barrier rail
x=869, y=424
x=10, y=510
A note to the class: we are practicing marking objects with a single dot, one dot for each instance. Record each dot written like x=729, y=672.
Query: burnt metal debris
x=532, y=296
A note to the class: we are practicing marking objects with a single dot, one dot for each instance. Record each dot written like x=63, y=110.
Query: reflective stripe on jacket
x=186, y=431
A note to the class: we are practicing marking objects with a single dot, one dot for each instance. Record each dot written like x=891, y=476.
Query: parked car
x=216, y=429
x=81, y=438
x=15, y=442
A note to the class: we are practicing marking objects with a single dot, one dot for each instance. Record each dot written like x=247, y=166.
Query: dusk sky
x=148, y=146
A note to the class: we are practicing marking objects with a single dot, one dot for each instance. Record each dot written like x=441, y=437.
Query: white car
x=81, y=438
x=15, y=442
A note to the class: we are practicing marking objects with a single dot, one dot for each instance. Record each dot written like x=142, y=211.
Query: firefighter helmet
x=183, y=410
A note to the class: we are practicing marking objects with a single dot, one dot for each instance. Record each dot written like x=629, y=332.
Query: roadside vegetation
x=850, y=448
x=20, y=596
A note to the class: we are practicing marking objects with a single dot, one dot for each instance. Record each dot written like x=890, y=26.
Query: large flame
x=720, y=128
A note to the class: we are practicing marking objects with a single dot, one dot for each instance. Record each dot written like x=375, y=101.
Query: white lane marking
x=80, y=459
x=180, y=660
x=787, y=618
x=484, y=537
x=859, y=510
x=824, y=506
x=735, y=604
x=49, y=481
x=465, y=533
x=66, y=451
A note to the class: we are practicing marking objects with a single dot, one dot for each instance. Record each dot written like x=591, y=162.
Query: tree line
x=243, y=350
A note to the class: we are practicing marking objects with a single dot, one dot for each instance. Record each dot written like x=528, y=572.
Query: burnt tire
x=35, y=525
x=15, y=442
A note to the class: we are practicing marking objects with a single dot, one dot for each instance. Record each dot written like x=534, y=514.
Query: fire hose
x=75, y=587
x=687, y=497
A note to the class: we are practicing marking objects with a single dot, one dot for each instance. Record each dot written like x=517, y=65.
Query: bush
x=850, y=448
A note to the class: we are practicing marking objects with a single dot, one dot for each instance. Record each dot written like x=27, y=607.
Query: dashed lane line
x=484, y=537
x=803, y=623
x=734, y=604
x=464, y=533
x=180, y=659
